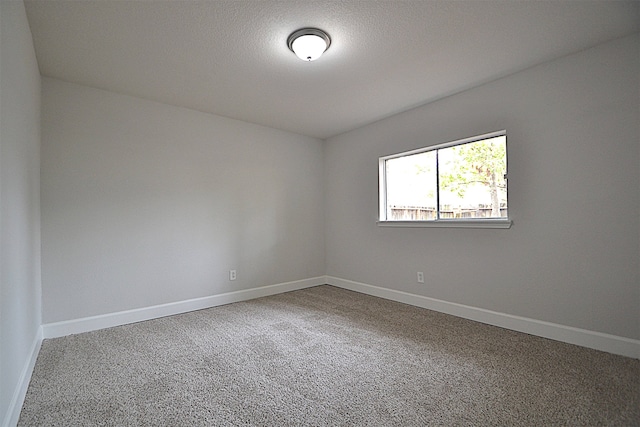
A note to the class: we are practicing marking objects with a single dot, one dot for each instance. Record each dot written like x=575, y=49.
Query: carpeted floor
x=325, y=357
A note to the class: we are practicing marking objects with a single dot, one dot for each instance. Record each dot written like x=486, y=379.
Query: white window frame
x=436, y=223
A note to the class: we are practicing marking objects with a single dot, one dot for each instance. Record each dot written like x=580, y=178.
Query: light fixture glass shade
x=309, y=43
x=308, y=48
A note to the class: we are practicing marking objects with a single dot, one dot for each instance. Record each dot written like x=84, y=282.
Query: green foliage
x=478, y=162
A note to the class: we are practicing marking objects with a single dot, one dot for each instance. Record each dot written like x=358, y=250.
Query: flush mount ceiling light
x=308, y=43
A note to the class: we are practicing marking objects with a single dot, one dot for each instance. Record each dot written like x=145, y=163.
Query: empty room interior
x=202, y=224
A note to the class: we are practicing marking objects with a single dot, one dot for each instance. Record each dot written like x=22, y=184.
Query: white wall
x=572, y=256
x=19, y=208
x=145, y=204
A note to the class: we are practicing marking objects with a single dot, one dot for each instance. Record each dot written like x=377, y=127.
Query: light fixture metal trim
x=308, y=32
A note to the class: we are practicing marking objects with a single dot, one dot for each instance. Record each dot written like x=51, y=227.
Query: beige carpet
x=325, y=357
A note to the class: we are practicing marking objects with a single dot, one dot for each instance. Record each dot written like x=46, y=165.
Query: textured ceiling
x=230, y=57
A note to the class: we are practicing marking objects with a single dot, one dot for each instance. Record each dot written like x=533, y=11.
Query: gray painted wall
x=572, y=256
x=19, y=200
x=145, y=203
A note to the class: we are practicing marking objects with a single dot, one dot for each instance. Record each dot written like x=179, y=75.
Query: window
x=460, y=183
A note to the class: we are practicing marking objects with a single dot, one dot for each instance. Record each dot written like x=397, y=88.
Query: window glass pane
x=411, y=187
x=471, y=177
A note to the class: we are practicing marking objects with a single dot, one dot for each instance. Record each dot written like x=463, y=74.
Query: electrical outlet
x=232, y=275
x=420, y=277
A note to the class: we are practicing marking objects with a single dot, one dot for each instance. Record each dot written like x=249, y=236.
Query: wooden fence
x=421, y=213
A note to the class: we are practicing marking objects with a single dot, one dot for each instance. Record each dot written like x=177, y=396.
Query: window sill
x=456, y=223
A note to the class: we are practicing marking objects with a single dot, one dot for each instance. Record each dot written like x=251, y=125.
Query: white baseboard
x=87, y=324
x=15, y=406
x=582, y=337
